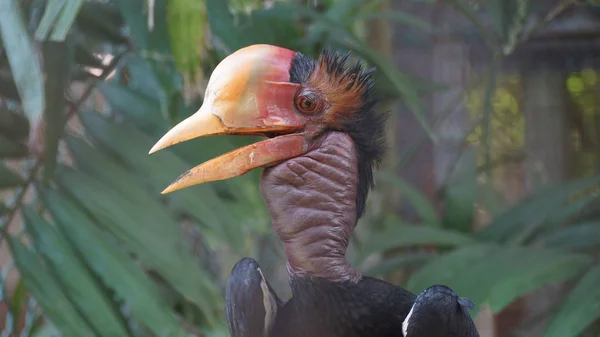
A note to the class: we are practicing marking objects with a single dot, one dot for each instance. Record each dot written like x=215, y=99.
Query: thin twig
x=20, y=198
x=75, y=107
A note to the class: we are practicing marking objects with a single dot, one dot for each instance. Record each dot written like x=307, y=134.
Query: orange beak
x=248, y=93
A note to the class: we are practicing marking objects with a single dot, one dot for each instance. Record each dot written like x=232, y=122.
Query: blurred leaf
x=562, y=215
x=413, y=196
x=443, y=269
x=114, y=267
x=47, y=292
x=100, y=166
x=8, y=178
x=10, y=149
x=533, y=210
x=186, y=22
x=154, y=43
x=51, y=13
x=57, y=63
x=221, y=22
x=82, y=288
x=460, y=194
x=494, y=274
x=13, y=125
x=396, y=235
x=152, y=234
x=18, y=300
x=393, y=264
x=142, y=80
x=541, y=267
x=159, y=169
x=22, y=57
x=398, y=16
x=573, y=238
x=139, y=108
x=65, y=20
x=135, y=13
x=579, y=309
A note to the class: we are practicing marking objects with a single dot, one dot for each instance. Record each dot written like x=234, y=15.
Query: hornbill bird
x=324, y=140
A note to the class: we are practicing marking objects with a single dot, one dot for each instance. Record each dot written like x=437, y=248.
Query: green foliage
x=105, y=254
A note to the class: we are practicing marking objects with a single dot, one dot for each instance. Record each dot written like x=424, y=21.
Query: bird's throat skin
x=312, y=202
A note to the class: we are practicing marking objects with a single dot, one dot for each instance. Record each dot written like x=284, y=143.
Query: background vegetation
x=93, y=248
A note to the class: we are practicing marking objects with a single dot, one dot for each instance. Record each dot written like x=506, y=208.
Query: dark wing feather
x=251, y=303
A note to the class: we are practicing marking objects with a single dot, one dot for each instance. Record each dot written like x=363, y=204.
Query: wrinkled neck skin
x=312, y=202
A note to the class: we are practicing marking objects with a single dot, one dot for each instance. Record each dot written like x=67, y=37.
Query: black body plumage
x=318, y=308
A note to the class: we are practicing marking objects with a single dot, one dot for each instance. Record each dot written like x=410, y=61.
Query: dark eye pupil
x=307, y=103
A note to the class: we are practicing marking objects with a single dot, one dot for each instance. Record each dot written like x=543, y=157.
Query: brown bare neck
x=312, y=201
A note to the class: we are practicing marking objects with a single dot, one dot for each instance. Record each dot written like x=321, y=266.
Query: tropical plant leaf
x=137, y=107
x=186, y=22
x=579, y=309
x=18, y=300
x=83, y=289
x=58, y=58
x=533, y=211
x=115, y=268
x=22, y=58
x=562, y=216
x=443, y=269
x=574, y=238
x=460, y=195
x=11, y=149
x=420, y=203
x=51, y=13
x=159, y=169
x=47, y=292
x=392, y=264
x=152, y=235
x=542, y=268
x=65, y=20
x=221, y=22
x=154, y=41
x=142, y=84
x=396, y=235
x=494, y=274
x=8, y=178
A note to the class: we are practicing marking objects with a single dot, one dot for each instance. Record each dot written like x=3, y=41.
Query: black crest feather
x=365, y=126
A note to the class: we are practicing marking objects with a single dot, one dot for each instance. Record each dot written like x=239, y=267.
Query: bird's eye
x=308, y=103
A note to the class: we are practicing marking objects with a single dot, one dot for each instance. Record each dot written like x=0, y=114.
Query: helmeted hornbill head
x=290, y=98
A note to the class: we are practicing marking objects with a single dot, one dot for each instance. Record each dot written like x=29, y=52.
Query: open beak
x=248, y=93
